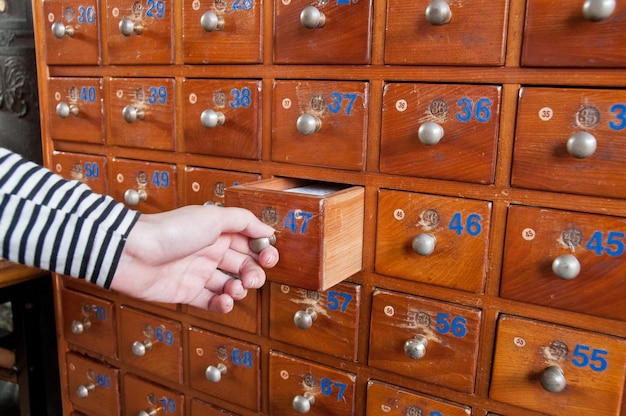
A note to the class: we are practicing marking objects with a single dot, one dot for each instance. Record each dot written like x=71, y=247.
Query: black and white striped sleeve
x=59, y=225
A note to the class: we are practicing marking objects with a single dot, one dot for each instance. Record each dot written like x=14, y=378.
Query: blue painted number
x=99, y=313
x=103, y=380
x=619, y=110
x=88, y=94
x=164, y=335
x=481, y=111
x=242, y=5
x=92, y=170
x=612, y=246
x=86, y=15
x=161, y=179
x=585, y=356
x=169, y=404
x=447, y=324
x=241, y=98
x=328, y=386
x=242, y=358
x=337, y=100
x=297, y=220
x=338, y=301
x=155, y=8
x=471, y=225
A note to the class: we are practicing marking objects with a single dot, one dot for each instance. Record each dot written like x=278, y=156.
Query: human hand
x=185, y=256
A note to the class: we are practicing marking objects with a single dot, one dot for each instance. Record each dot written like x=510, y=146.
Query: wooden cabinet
x=446, y=179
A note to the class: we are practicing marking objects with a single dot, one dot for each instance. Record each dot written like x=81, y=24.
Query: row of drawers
x=535, y=363
x=562, y=259
x=437, y=131
x=562, y=33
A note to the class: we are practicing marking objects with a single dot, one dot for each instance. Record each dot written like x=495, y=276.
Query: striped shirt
x=59, y=225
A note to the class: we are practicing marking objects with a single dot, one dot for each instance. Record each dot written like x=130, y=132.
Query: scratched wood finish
x=86, y=168
x=202, y=185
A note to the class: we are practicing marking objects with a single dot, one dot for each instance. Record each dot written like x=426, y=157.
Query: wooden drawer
x=93, y=386
x=320, y=123
x=141, y=113
x=151, y=343
x=319, y=228
x=89, y=322
x=322, y=321
x=222, y=117
x=540, y=241
x=225, y=368
x=75, y=109
x=422, y=237
x=560, y=34
x=146, y=398
x=207, y=186
x=326, y=33
x=299, y=386
x=222, y=32
x=570, y=140
x=149, y=187
x=583, y=371
x=199, y=408
x=412, y=336
x=440, y=131
x=89, y=169
x=140, y=32
x=416, y=32
x=245, y=315
x=387, y=400
x=72, y=36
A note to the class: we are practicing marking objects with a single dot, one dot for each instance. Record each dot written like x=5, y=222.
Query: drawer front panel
x=320, y=123
x=225, y=368
x=222, y=117
x=411, y=336
x=222, y=32
x=141, y=113
x=424, y=237
x=299, y=386
x=86, y=168
x=75, y=109
x=72, y=34
x=440, y=131
x=583, y=371
x=144, y=398
x=571, y=140
x=151, y=343
x=417, y=32
x=323, y=321
x=560, y=34
x=93, y=386
x=207, y=186
x=565, y=260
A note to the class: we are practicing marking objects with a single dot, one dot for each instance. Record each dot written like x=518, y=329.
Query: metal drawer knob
x=312, y=18
x=79, y=327
x=553, y=379
x=211, y=119
x=566, y=266
x=59, y=30
x=598, y=10
x=141, y=348
x=132, y=114
x=212, y=22
x=430, y=133
x=308, y=124
x=128, y=27
x=415, y=348
x=303, y=403
x=150, y=412
x=305, y=319
x=82, y=391
x=64, y=110
x=424, y=244
x=581, y=145
x=259, y=244
x=133, y=197
x=438, y=12
x=214, y=373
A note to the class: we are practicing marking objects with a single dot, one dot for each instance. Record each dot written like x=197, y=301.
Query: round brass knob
x=82, y=391
x=415, y=348
x=303, y=403
x=64, y=110
x=438, y=12
x=128, y=27
x=141, y=348
x=581, y=145
x=566, y=266
x=211, y=119
x=259, y=244
x=59, y=30
x=214, y=373
x=132, y=114
x=312, y=18
x=430, y=133
x=308, y=124
x=305, y=319
x=133, y=197
x=424, y=244
x=553, y=379
x=598, y=10
x=212, y=22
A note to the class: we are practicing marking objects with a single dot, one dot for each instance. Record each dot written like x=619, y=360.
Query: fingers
x=239, y=220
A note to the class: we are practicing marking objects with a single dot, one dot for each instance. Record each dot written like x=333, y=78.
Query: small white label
x=193, y=98
x=528, y=234
x=115, y=12
x=195, y=187
x=195, y=5
x=58, y=167
x=286, y=103
x=389, y=310
x=545, y=114
x=284, y=374
x=57, y=96
x=519, y=342
x=286, y=2
x=398, y=214
x=385, y=408
x=401, y=105
x=119, y=93
x=120, y=178
x=284, y=288
x=199, y=352
x=51, y=17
